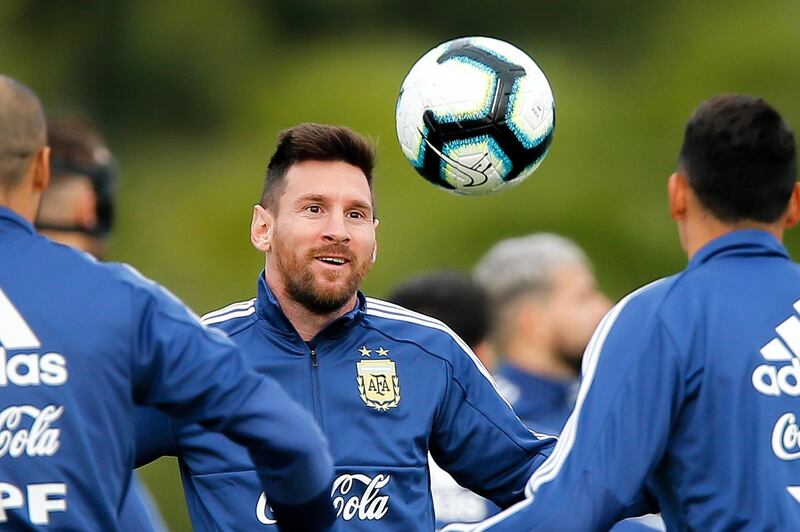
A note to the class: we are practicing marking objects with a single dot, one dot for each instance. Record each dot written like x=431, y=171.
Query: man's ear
x=261, y=229
x=677, y=192
x=793, y=211
x=374, y=256
x=41, y=169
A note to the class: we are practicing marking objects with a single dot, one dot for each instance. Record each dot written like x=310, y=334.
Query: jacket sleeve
x=154, y=437
x=196, y=374
x=477, y=437
x=631, y=390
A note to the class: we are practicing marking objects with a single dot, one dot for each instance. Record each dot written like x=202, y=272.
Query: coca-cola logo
x=350, y=502
x=786, y=437
x=38, y=439
x=370, y=505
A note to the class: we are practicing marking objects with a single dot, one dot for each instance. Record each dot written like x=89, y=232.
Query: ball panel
x=463, y=89
x=474, y=166
x=529, y=116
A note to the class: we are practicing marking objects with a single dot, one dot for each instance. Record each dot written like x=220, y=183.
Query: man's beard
x=301, y=284
x=570, y=355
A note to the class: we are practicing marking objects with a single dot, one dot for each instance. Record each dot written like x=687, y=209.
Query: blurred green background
x=190, y=97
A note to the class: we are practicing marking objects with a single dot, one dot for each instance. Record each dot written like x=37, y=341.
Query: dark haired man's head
x=77, y=209
x=315, y=142
x=316, y=222
x=739, y=158
x=451, y=297
x=24, y=171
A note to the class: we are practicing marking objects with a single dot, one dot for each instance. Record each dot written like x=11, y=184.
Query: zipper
x=315, y=386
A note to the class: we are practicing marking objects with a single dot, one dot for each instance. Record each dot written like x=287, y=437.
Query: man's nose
x=336, y=229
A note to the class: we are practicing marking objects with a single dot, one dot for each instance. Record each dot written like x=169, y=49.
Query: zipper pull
x=314, y=358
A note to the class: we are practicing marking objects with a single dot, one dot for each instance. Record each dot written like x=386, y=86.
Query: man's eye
x=314, y=209
x=356, y=215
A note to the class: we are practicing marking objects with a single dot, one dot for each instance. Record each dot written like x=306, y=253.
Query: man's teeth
x=332, y=260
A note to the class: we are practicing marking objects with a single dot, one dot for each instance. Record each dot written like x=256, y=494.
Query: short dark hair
x=315, y=142
x=451, y=297
x=23, y=130
x=739, y=157
x=78, y=149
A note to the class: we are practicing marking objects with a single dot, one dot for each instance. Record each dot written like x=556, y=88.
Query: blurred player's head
x=737, y=168
x=77, y=209
x=24, y=155
x=316, y=220
x=453, y=298
x=544, y=300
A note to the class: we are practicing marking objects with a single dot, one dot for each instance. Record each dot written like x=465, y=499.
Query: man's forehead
x=326, y=180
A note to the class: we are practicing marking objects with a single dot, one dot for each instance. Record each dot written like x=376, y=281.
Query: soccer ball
x=475, y=115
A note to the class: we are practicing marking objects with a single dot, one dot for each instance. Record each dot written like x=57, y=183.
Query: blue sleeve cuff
x=312, y=516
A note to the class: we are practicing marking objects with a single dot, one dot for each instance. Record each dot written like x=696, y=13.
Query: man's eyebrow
x=362, y=205
x=322, y=198
x=312, y=196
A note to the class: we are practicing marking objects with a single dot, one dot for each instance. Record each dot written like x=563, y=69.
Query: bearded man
x=386, y=385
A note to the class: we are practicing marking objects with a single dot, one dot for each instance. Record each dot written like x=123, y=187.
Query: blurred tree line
x=191, y=95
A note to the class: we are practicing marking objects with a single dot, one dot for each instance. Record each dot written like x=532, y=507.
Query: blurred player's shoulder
x=232, y=318
x=81, y=264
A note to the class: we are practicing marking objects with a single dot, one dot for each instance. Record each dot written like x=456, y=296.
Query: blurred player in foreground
x=82, y=342
x=386, y=385
x=690, y=383
x=463, y=306
x=77, y=210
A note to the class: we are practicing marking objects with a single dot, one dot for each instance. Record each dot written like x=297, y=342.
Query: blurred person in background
x=83, y=342
x=461, y=304
x=388, y=386
x=690, y=383
x=545, y=305
x=77, y=210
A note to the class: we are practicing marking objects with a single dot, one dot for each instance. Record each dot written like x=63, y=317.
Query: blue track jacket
x=690, y=386
x=80, y=344
x=387, y=386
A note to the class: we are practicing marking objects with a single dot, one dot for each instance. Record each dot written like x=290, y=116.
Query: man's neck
x=705, y=229
x=538, y=361
x=307, y=324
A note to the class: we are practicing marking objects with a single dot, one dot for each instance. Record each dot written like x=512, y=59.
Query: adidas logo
x=781, y=374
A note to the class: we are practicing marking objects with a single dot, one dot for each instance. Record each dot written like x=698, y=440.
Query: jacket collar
x=745, y=241
x=11, y=218
x=269, y=310
x=549, y=391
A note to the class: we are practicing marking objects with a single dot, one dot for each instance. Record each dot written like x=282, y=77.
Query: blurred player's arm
x=154, y=436
x=630, y=394
x=196, y=374
x=479, y=440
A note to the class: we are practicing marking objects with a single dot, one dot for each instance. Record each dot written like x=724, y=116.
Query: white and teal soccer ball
x=475, y=115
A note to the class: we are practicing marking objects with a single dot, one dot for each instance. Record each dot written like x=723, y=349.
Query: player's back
x=731, y=462
x=66, y=335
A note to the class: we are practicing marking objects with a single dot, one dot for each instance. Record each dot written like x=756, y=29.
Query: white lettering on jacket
x=786, y=437
x=32, y=369
x=38, y=440
x=371, y=505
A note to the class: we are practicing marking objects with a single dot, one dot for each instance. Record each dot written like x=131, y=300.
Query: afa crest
x=378, y=383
